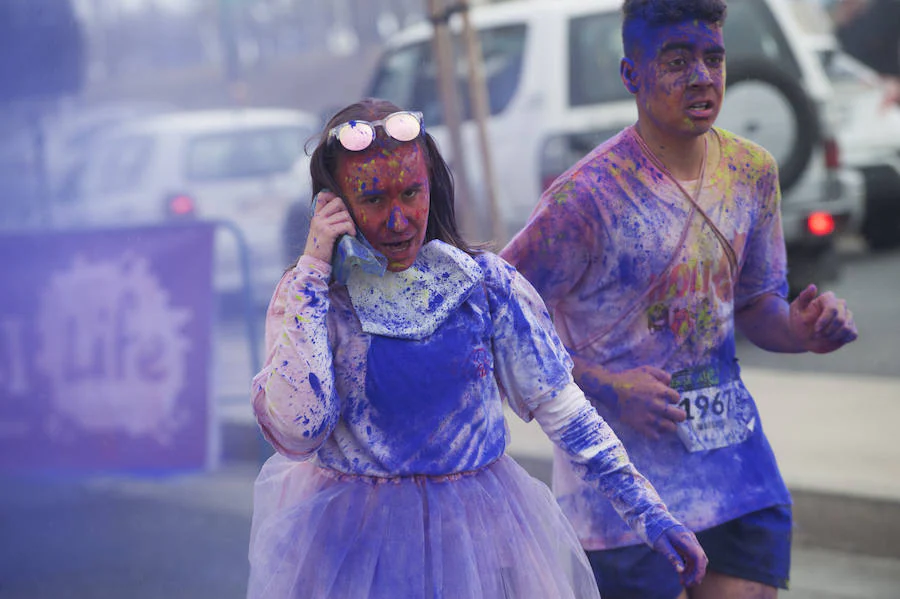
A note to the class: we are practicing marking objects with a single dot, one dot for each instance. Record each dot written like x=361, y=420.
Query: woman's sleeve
x=293, y=396
x=598, y=455
x=534, y=373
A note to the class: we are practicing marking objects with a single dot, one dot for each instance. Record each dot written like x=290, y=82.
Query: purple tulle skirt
x=491, y=534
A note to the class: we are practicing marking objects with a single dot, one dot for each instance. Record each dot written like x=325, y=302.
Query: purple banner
x=105, y=349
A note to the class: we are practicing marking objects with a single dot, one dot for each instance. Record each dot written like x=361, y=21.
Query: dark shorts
x=756, y=546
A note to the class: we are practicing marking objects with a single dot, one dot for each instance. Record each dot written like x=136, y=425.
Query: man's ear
x=629, y=74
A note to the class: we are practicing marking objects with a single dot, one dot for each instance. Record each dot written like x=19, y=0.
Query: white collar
x=413, y=303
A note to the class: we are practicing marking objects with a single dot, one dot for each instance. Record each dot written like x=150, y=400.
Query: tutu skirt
x=490, y=534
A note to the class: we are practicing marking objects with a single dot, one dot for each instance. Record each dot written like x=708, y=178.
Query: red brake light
x=181, y=205
x=832, y=154
x=820, y=223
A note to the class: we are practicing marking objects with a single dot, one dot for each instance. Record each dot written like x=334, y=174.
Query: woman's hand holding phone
x=330, y=220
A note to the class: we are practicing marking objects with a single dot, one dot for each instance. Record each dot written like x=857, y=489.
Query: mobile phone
x=354, y=251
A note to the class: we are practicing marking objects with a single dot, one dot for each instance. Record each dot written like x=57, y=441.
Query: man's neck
x=683, y=156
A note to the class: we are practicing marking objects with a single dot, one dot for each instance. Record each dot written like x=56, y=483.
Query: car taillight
x=180, y=206
x=832, y=154
x=820, y=223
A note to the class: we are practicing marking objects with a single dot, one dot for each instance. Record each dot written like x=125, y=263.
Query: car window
x=244, y=153
x=751, y=31
x=121, y=164
x=595, y=49
x=407, y=76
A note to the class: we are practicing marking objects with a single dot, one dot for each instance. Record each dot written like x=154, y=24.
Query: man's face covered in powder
x=679, y=74
x=389, y=196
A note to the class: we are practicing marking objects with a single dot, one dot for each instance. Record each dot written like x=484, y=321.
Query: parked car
x=70, y=133
x=223, y=165
x=552, y=72
x=868, y=130
x=42, y=152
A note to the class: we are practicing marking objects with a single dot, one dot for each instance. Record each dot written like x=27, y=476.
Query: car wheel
x=881, y=225
x=766, y=105
x=882, y=231
x=818, y=264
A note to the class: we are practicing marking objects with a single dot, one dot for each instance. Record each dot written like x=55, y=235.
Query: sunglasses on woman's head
x=358, y=135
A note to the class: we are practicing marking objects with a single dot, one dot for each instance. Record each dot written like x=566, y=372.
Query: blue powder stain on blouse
x=578, y=436
x=316, y=385
x=416, y=387
x=435, y=301
x=311, y=295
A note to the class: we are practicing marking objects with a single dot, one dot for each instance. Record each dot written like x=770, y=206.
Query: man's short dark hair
x=667, y=12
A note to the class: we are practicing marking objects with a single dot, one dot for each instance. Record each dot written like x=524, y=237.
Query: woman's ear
x=629, y=75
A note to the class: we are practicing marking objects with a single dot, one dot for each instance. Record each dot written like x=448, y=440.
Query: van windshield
x=407, y=76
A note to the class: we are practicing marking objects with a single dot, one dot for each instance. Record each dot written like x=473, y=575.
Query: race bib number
x=717, y=416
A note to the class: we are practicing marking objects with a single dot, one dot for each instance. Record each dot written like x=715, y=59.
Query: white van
x=552, y=71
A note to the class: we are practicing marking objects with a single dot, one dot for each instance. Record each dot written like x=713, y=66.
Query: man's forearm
x=766, y=322
x=596, y=382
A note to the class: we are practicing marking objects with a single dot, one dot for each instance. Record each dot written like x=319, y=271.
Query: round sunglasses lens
x=403, y=126
x=356, y=136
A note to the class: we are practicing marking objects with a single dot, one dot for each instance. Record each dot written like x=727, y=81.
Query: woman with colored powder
x=382, y=394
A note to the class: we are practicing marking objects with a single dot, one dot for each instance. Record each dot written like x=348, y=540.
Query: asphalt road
x=166, y=538
x=186, y=537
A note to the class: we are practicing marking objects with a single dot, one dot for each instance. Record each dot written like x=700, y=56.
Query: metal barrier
x=246, y=292
x=264, y=449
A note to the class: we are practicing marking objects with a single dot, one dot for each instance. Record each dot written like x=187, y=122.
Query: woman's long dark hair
x=441, y=214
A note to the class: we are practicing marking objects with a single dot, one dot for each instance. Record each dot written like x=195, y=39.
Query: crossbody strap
x=639, y=302
x=730, y=254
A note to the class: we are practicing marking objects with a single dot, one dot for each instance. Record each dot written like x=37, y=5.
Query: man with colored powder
x=648, y=252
